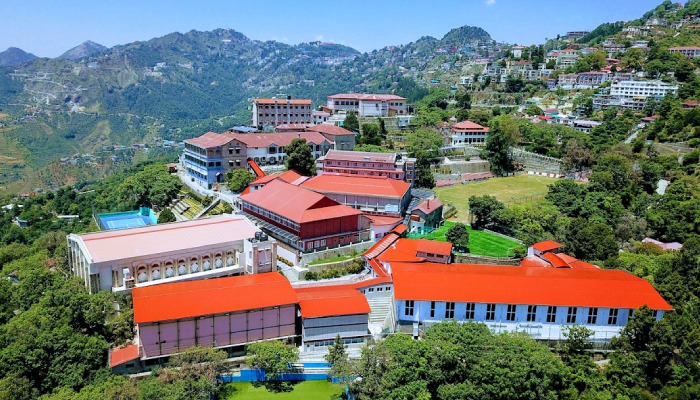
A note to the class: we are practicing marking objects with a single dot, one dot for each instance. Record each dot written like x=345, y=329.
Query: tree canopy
x=300, y=157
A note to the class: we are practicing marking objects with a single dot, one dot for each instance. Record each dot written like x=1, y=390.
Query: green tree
x=338, y=358
x=590, y=241
x=239, y=179
x=370, y=135
x=300, y=158
x=351, y=122
x=382, y=128
x=166, y=216
x=483, y=210
x=502, y=136
x=271, y=356
x=458, y=235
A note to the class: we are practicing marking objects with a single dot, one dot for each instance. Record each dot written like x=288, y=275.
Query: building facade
x=305, y=220
x=538, y=301
x=687, y=51
x=268, y=113
x=468, y=133
x=180, y=251
x=368, y=105
x=222, y=313
x=370, y=194
x=389, y=165
x=340, y=138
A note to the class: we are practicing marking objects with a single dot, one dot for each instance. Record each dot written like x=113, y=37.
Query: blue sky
x=48, y=28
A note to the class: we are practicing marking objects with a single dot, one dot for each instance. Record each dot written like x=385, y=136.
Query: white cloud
x=319, y=38
x=490, y=2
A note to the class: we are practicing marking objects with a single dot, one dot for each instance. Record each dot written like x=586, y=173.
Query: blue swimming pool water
x=127, y=219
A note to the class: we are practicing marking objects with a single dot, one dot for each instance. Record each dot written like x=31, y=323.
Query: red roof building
x=371, y=194
x=330, y=311
x=305, y=219
x=417, y=250
x=214, y=312
x=388, y=165
x=269, y=113
x=538, y=301
x=468, y=133
x=341, y=138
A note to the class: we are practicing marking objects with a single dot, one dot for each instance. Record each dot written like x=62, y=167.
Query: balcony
x=212, y=273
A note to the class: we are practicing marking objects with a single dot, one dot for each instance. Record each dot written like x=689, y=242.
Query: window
x=631, y=314
x=471, y=307
x=510, y=313
x=408, y=310
x=552, y=314
x=490, y=312
x=531, y=313
x=450, y=310
x=571, y=315
x=655, y=313
x=612, y=316
x=592, y=316
x=432, y=309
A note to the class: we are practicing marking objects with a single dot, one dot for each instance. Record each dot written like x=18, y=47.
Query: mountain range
x=183, y=84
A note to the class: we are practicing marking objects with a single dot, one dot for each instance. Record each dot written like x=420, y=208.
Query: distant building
x=575, y=35
x=687, y=51
x=517, y=51
x=368, y=105
x=268, y=113
x=123, y=259
x=427, y=215
x=590, y=80
x=468, y=133
x=340, y=138
x=390, y=165
x=567, y=58
x=209, y=157
x=585, y=126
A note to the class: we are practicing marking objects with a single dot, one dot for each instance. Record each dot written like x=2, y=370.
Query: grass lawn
x=480, y=242
x=505, y=189
x=306, y=390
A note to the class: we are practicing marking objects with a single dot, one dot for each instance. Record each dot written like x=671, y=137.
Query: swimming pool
x=127, y=219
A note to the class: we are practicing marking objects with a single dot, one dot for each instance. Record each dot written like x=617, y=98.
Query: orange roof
x=400, y=229
x=468, y=126
x=576, y=263
x=120, y=355
x=381, y=245
x=330, y=130
x=357, y=156
x=328, y=301
x=555, y=260
x=259, y=173
x=519, y=285
x=378, y=220
x=547, y=245
x=299, y=205
x=211, y=139
x=287, y=176
x=533, y=261
x=374, y=186
x=163, y=238
x=428, y=206
x=171, y=301
x=406, y=250
x=366, y=97
x=257, y=140
x=292, y=127
x=282, y=101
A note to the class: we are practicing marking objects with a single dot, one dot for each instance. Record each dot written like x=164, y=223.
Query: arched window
x=194, y=265
x=142, y=274
x=155, y=272
x=181, y=267
x=169, y=270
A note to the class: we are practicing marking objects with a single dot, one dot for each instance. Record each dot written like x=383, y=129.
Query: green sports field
x=510, y=190
x=307, y=390
x=480, y=242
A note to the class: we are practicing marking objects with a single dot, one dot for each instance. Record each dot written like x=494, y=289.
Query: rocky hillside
x=83, y=50
x=14, y=56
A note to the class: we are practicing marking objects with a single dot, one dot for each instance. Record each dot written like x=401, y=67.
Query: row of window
x=511, y=310
x=285, y=115
x=378, y=289
x=326, y=343
x=284, y=107
x=362, y=164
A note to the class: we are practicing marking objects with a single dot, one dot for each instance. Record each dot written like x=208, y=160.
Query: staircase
x=382, y=314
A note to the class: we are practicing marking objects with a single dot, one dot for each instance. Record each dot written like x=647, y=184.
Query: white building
x=268, y=113
x=641, y=89
x=120, y=260
x=368, y=105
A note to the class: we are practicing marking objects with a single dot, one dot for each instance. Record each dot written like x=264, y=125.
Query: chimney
x=428, y=204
